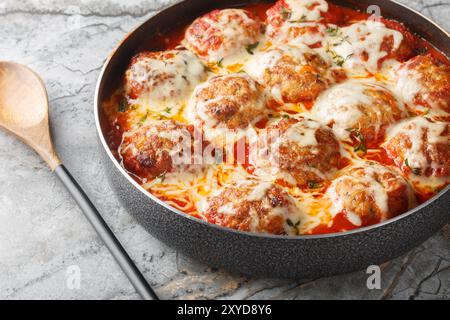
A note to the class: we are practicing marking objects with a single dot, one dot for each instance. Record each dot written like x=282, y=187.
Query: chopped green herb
x=274, y=116
x=219, y=63
x=339, y=60
x=168, y=110
x=286, y=116
x=333, y=31
x=437, y=189
x=123, y=105
x=302, y=19
x=314, y=185
x=285, y=13
x=292, y=224
x=252, y=47
x=361, y=146
x=422, y=51
x=426, y=112
x=144, y=118
x=162, y=177
x=416, y=171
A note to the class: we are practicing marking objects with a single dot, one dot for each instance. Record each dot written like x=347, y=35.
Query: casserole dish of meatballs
x=292, y=138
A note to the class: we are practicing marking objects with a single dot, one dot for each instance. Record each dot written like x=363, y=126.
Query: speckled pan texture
x=285, y=257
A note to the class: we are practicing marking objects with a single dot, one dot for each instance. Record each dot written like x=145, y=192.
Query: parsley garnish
x=291, y=224
x=252, y=47
x=285, y=13
x=168, y=110
x=302, y=19
x=314, y=185
x=339, y=60
x=422, y=51
x=123, y=105
x=162, y=177
x=144, y=118
x=219, y=63
x=361, y=146
x=416, y=171
x=333, y=31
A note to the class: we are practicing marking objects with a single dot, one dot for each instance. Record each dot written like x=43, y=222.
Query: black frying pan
x=257, y=254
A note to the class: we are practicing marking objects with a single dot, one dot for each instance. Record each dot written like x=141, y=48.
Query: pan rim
x=224, y=229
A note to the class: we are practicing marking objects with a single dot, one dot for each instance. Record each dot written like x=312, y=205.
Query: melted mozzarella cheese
x=167, y=83
x=292, y=34
x=409, y=87
x=300, y=25
x=339, y=105
x=367, y=184
x=306, y=10
x=231, y=26
x=259, y=192
x=408, y=84
x=414, y=129
x=303, y=133
x=363, y=38
x=263, y=62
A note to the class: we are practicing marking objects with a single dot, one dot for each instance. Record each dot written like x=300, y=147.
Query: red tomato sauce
x=340, y=224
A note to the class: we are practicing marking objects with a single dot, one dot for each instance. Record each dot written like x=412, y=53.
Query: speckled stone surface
x=43, y=235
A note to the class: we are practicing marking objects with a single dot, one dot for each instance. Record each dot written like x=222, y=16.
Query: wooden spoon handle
x=123, y=259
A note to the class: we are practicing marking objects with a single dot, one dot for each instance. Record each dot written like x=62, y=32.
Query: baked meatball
x=156, y=148
x=359, y=112
x=254, y=207
x=369, y=194
x=420, y=147
x=228, y=102
x=366, y=45
x=222, y=33
x=300, y=152
x=424, y=82
x=292, y=74
x=301, y=21
x=158, y=80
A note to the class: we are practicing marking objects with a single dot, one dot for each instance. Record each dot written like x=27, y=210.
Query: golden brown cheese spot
x=228, y=102
x=423, y=81
x=222, y=33
x=303, y=149
x=420, y=147
x=292, y=74
x=253, y=207
x=358, y=110
x=150, y=150
x=369, y=194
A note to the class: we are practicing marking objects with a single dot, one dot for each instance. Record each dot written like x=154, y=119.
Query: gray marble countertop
x=43, y=235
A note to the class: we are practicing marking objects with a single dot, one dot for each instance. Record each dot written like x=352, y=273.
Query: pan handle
x=123, y=259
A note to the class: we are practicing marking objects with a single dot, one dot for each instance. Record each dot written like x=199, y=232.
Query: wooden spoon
x=24, y=113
